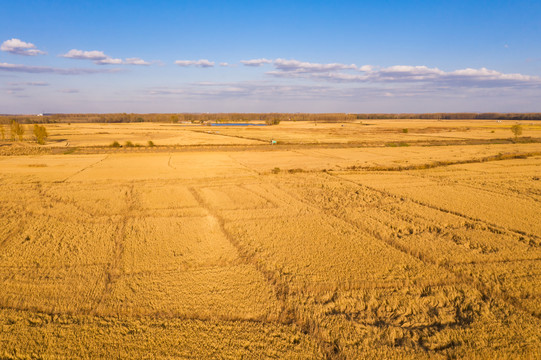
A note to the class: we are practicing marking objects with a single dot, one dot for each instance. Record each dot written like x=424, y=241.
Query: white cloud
x=366, y=68
x=224, y=64
x=136, y=61
x=18, y=47
x=491, y=74
x=256, y=62
x=400, y=74
x=204, y=63
x=307, y=67
x=482, y=77
x=99, y=58
x=85, y=55
x=109, y=61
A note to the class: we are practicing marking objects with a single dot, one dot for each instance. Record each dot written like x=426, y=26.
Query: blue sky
x=270, y=56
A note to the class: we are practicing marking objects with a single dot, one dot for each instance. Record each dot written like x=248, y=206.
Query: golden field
x=344, y=240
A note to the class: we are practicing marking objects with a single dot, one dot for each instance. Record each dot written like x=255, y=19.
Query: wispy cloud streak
x=52, y=70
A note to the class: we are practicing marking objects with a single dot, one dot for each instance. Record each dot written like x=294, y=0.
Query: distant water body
x=236, y=124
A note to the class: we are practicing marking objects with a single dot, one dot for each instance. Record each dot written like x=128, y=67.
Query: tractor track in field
x=83, y=169
x=114, y=270
x=466, y=279
x=281, y=288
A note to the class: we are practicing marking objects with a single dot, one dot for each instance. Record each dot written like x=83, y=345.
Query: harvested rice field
x=346, y=240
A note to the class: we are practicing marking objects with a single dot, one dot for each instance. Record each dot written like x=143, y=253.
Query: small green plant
x=516, y=130
x=40, y=133
x=128, y=144
x=115, y=144
x=276, y=170
x=151, y=143
x=405, y=131
x=3, y=132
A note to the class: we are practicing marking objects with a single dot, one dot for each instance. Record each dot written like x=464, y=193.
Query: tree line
x=177, y=117
x=17, y=131
x=455, y=116
x=199, y=118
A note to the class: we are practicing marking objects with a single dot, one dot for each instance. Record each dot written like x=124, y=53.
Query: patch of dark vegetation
x=398, y=144
x=70, y=151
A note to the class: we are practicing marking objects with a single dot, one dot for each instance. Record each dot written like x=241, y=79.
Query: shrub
x=151, y=143
x=276, y=170
x=272, y=121
x=405, y=131
x=115, y=144
x=128, y=144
